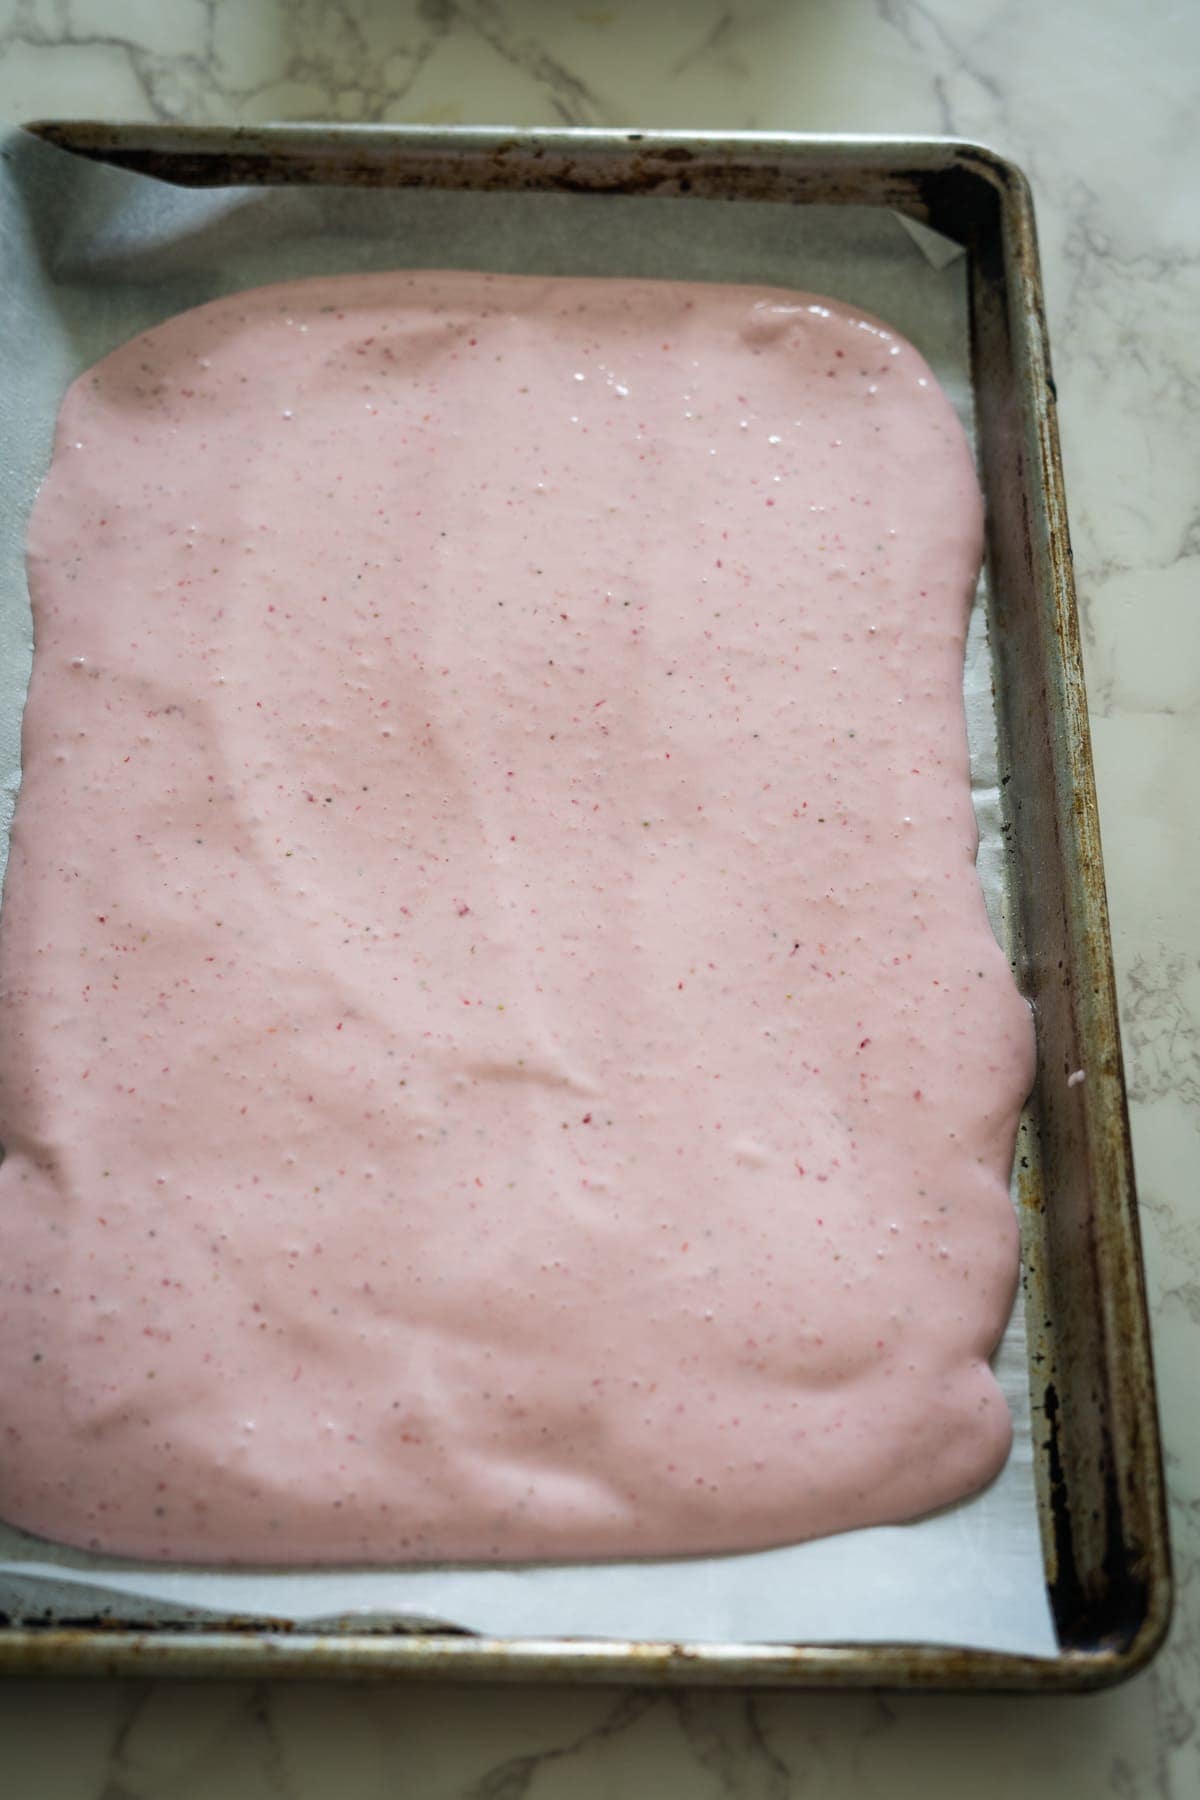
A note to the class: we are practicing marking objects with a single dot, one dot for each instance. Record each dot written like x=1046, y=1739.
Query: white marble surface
x=1099, y=100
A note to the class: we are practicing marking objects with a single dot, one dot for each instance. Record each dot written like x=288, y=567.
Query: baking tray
x=1100, y=1488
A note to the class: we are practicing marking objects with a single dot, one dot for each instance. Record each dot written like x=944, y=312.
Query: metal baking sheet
x=1021, y=492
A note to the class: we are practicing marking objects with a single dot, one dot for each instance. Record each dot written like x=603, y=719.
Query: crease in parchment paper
x=92, y=256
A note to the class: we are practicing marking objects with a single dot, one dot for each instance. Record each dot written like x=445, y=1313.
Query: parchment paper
x=93, y=255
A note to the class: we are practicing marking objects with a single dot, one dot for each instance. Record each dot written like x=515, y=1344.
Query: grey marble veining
x=1098, y=100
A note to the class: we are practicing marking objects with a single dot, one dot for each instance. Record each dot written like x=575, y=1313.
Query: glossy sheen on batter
x=502, y=1054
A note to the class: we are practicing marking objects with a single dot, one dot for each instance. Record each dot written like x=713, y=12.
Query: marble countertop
x=1098, y=100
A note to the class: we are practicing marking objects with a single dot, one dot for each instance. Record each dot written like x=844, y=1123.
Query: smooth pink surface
x=503, y=1054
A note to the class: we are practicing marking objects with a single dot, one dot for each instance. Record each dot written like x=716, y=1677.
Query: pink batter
x=503, y=1054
